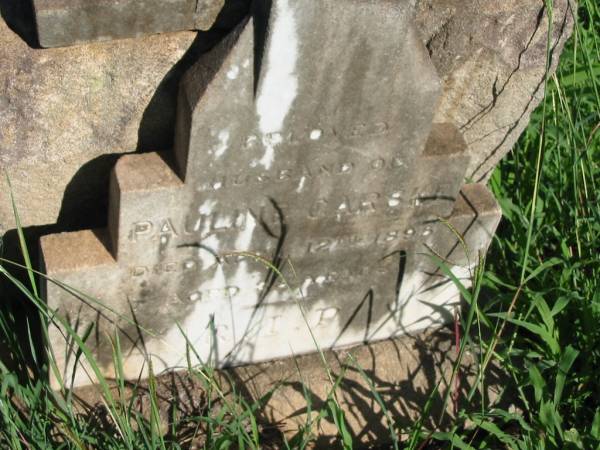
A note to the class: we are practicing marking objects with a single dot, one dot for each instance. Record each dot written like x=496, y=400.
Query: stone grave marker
x=68, y=22
x=307, y=189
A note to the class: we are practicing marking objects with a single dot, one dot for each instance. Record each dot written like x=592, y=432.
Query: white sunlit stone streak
x=279, y=85
x=223, y=143
x=247, y=281
x=244, y=278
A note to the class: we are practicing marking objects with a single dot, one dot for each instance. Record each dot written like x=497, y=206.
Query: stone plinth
x=404, y=372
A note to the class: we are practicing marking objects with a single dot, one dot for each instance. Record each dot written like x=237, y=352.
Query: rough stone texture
x=492, y=58
x=64, y=112
x=404, y=371
x=84, y=104
x=69, y=22
x=281, y=159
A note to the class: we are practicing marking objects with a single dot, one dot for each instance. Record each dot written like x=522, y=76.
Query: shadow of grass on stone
x=283, y=396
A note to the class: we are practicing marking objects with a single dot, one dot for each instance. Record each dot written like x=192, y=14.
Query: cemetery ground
x=533, y=311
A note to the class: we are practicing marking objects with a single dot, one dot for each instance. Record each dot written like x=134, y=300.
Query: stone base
x=404, y=371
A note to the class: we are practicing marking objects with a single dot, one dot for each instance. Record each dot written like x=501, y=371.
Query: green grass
x=543, y=271
x=534, y=311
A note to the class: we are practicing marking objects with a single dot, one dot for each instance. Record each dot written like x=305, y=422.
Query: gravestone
x=305, y=197
x=69, y=22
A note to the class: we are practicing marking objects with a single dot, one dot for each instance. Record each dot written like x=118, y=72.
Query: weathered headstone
x=306, y=187
x=69, y=22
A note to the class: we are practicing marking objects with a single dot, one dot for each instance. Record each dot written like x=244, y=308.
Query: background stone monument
x=306, y=194
x=86, y=105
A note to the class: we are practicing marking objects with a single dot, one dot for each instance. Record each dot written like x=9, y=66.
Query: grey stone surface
x=300, y=201
x=65, y=112
x=69, y=22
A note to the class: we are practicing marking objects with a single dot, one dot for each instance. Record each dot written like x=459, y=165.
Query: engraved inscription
x=325, y=316
x=364, y=205
x=306, y=134
x=383, y=239
x=282, y=175
x=227, y=292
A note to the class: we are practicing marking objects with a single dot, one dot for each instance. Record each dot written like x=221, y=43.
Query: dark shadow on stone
x=19, y=313
x=278, y=258
x=156, y=130
x=85, y=201
x=367, y=300
x=404, y=398
x=261, y=12
x=20, y=18
x=401, y=272
x=84, y=206
x=396, y=314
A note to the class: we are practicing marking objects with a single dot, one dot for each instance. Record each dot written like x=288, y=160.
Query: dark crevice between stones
x=157, y=128
x=19, y=313
x=261, y=11
x=497, y=91
x=20, y=18
x=478, y=173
